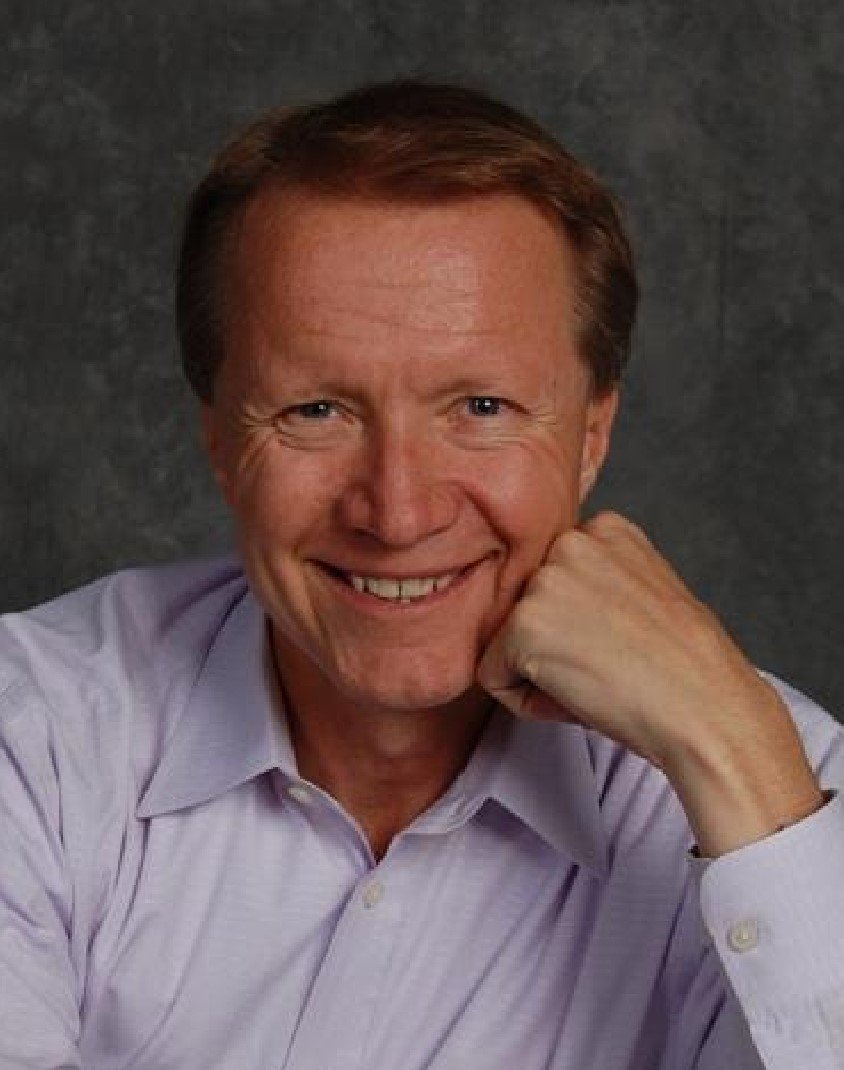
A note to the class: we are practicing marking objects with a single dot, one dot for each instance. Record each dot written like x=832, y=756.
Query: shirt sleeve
x=39, y=989
x=774, y=911
x=774, y=915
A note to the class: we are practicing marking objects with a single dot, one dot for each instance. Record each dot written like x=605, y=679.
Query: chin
x=409, y=691
x=412, y=675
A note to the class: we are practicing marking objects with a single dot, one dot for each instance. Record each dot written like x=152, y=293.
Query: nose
x=400, y=493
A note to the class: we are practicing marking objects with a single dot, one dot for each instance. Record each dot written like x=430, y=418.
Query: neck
x=384, y=767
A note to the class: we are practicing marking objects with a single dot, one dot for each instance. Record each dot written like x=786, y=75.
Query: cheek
x=527, y=491
x=281, y=493
x=531, y=493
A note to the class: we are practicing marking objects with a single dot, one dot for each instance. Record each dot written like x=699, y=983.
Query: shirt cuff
x=775, y=912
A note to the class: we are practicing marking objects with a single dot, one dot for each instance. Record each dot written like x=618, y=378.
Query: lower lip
x=371, y=603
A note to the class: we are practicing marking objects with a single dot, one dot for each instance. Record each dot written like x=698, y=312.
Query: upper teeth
x=402, y=589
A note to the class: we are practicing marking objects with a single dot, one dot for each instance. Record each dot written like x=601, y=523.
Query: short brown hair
x=408, y=141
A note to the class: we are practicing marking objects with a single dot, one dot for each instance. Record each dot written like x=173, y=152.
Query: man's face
x=400, y=399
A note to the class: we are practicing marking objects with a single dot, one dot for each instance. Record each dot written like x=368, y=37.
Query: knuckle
x=607, y=521
x=525, y=628
x=570, y=547
x=543, y=581
x=528, y=667
x=523, y=617
x=609, y=526
x=559, y=547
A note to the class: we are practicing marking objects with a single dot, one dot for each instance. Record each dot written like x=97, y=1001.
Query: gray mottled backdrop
x=720, y=124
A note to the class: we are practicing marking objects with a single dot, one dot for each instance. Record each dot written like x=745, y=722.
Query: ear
x=212, y=438
x=600, y=416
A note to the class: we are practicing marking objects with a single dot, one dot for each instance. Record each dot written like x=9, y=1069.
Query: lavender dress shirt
x=174, y=896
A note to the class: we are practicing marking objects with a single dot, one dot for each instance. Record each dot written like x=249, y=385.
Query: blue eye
x=314, y=410
x=485, y=406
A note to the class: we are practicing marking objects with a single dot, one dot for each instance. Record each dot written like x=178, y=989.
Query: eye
x=318, y=418
x=313, y=410
x=485, y=406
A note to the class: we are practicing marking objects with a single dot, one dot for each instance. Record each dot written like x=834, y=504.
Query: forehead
x=441, y=279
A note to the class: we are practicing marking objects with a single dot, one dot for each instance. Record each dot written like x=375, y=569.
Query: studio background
x=719, y=125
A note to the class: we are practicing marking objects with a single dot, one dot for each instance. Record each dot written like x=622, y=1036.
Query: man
x=436, y=773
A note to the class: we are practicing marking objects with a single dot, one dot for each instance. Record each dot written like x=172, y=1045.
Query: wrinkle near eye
x=251, y=420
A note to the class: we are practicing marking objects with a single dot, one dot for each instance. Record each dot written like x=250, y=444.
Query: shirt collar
x=233, y=728
x=545, y=777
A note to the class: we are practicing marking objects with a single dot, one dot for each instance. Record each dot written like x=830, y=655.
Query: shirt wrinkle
x=551, y=919
x=553, y=805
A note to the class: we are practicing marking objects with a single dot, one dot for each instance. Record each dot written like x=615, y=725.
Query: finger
x=627, y=542
x=498, y=676
x=528, y=702
x=494, y=671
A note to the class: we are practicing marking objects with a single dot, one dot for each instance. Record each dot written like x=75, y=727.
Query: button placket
x=339, y=1014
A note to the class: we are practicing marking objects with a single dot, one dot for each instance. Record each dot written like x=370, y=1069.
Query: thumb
x=497, y=675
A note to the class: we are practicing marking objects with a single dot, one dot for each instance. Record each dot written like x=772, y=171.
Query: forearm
x=739, y=788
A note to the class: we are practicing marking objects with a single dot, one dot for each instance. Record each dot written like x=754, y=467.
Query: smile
x=399, y=591
x=403, y=590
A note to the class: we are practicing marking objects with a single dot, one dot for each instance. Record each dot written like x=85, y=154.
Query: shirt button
x=372, y=894
x=744, y=935
x=300, y=792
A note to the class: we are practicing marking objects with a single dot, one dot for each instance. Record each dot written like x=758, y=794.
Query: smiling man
x=435, y=773
x=408, y=375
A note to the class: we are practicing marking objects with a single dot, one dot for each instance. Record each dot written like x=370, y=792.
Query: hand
x=607, y=635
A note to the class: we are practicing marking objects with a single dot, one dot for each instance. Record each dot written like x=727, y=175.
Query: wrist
x=711, y=851
x=740, y=791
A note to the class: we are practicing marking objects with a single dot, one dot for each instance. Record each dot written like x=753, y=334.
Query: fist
x=607, y=635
